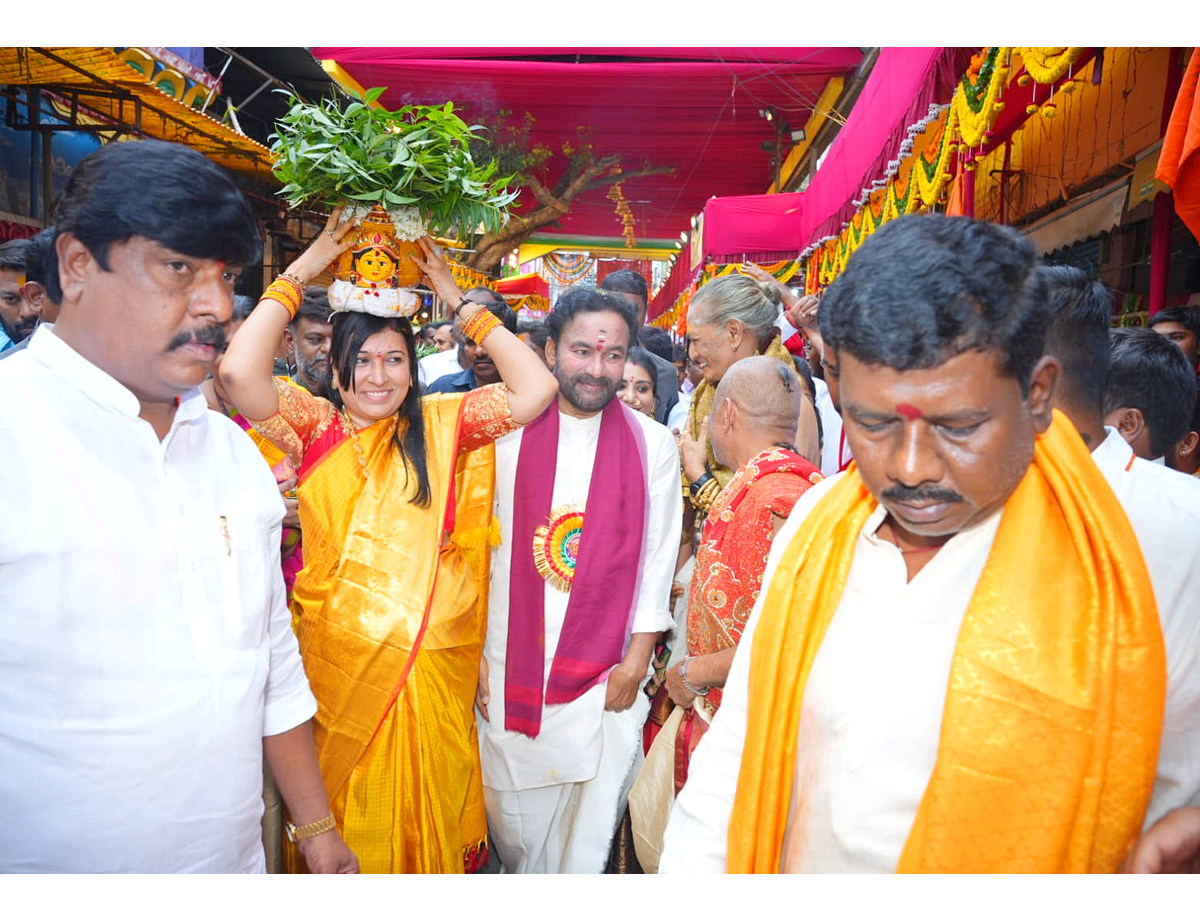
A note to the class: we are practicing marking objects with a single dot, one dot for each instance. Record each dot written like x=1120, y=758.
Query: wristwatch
x=312, y=829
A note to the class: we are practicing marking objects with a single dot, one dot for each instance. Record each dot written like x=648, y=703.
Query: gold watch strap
x=312, y=829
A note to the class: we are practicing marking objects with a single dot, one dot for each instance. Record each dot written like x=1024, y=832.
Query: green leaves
x=415, y=156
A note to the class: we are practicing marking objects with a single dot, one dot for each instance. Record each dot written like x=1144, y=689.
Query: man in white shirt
x=1150, y=392
x=924, y=685
x=568, y=646
x=147, y=662
x=1163, y=505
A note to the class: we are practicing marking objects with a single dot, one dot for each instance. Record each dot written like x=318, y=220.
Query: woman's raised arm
x=530, y=384
x=246, y=370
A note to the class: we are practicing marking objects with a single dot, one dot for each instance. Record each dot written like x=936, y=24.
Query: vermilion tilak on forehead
x=909, y=412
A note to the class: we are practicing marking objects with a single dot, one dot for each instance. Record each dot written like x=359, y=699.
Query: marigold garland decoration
x=556, y=546
x=1048, y=64
x=917, y=183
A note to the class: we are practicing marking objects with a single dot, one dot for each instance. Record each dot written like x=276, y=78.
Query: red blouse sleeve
x=485, y=417
x=300, y=420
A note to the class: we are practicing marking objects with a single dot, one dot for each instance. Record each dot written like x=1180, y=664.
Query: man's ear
x=551, y=352
x=1129, y=421
x=1042, y=383
x=75, y=264
x=34, y=294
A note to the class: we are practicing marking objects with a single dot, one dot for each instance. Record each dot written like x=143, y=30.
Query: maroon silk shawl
x=607, y=574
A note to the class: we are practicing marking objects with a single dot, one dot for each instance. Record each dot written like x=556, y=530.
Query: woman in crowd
x=639, y=387
x=396, y=510
x=731, y=317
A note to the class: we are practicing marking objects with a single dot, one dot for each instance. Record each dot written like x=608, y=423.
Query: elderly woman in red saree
x=390, y=607
x=753, y=420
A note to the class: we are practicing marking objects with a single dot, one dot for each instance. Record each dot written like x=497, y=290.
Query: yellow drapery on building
x=395, y=730
x=1052, y=717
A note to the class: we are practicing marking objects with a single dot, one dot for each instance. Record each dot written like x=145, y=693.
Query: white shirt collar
x=84, y=375
x=1113, y=451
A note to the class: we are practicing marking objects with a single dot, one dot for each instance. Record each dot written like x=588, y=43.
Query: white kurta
x=580, y=746
x=435, y=365
x=873, y=705
x=145, y=642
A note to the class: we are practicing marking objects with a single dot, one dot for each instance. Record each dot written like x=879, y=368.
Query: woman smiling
x=396, y=507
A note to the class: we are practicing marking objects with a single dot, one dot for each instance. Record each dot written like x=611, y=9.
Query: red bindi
x=909, y=412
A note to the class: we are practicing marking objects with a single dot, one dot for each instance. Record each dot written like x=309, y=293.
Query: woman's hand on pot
x=436, y=270
x=335, y=238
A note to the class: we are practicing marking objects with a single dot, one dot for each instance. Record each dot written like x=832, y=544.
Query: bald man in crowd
x=751, y=427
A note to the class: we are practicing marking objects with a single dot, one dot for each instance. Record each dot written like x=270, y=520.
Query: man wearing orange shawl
x=958, y=664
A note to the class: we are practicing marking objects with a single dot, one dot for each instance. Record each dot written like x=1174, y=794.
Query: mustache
x=898, y=493
x=605, y=383
x=209, y=334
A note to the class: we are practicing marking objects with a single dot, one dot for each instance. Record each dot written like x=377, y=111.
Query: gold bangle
x=290, y=279
x=312, y=829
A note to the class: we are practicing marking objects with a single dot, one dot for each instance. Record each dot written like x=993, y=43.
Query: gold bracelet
x=480, y=325
x=290, y=279
x=312, y=829
x=707, y=495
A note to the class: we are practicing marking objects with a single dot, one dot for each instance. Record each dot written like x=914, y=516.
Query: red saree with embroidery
x=730, y=562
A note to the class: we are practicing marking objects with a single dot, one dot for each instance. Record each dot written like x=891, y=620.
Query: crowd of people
x=901, y=577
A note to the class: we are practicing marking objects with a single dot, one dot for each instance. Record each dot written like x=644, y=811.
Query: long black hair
x=350, y=331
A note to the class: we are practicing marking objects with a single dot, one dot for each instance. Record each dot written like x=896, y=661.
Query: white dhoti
x=555, y=801
x=569, y=827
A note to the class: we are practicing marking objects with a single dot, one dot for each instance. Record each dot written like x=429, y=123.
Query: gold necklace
x=353, y=432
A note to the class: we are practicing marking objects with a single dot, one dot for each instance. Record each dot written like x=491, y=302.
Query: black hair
x=442, y=324
x=580, y=299
x=658, y=342
x=350, y=331
x=41, y=257
x=242, y=307
x=314, y=306
x=495, y=295
x=1147, y=372
x=925, y=288
x=1080, y=309
x=13, y=255
x=536, y=329
x=161, y=191
x=1187, y=316
x=626, y=281
x=640, y=356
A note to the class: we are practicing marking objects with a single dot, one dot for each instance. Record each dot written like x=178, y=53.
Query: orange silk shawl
x=395, y=731
x=1050, y=730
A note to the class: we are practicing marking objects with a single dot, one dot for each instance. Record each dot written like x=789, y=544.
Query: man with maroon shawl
x=590, y=514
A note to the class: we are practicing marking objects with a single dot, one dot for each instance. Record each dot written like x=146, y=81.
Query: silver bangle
x=683, y=677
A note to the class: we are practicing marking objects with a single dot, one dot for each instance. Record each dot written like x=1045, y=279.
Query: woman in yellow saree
x=390, y=607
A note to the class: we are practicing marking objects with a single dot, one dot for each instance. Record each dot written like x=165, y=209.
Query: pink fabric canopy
x=759, y=222
x=898, y=93
x=694, y=109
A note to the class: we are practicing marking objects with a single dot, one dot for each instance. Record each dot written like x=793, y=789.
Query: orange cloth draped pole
x=1076, y=687
x=1179, y=162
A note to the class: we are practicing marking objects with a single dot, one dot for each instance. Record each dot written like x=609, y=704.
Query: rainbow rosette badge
x=556, y=546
